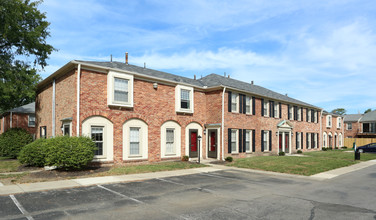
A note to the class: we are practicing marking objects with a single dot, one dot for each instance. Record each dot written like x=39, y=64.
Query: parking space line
x=119, y=194
x=181, y=184
x=216, y=176
x=20, y=207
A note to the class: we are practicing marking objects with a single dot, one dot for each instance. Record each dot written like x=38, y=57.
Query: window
x=266, y=108
x=329, y=121
x=248, y=105
x=308, y=140
x=184, y=99
x=265, y=140
x=314, y=140
x=340, y=139
x=324, y=140
x=299, y=114
x=120, y=89
x=134, y=141
x=97, y=137
x=67, y=129
x=43, y=132
x=31, y=121
x=298, y=140
x=170, y=139
x=248, y=141
x=309, y=115
x=234, y=102
x=276, y=110
x=349, y=126
x=234, y=141
x=315, y=116
x=339, y=122
x=291, y=110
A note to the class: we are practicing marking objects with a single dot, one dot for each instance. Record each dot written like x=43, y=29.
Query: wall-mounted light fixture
x=155, y=85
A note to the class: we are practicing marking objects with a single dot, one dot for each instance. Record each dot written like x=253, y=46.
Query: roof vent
x=126, y=58
x=144, y=65
x=194, y=77
x=224, y=74
x=111, y=58
x=286, y=94
x=252, y=82
x=228, y=76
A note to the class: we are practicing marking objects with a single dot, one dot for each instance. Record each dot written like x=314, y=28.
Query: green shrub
x=336, y=148
x=344, y=147
x=69, y=152
x=281, y=153
x=324, y=149
x=299, y=152
x=13, y=140
x=185, y=158
x=229, y=159
x=34, y=153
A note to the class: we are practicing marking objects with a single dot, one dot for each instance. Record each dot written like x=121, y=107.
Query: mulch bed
x=66, y=174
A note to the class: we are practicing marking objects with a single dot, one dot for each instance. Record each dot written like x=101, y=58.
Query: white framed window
x=119, y=89
x=234, y=102
x=324, y=140
x=349, y=126
x=276, y=110
x=298, y=140
x=314, y=140
x=248, y=141
x=184, y=99
x=291, y=112
x=299, y=114
x=315, y=116
x=266, y=108
x=340, y=140
x=309, y=144
x=67, y=128
x=43, y=132
x=135, y=140
x=97, y=137
x=329, y=121
x=234, y=141
x=170, y=139
x=265, y=140
x=248, y=105
x=309, y=115
x=31, y=120
x=339, y=122
x=101, y=130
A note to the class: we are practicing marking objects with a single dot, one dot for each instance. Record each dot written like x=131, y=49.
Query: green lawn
x=314, y=162
x=8, y=165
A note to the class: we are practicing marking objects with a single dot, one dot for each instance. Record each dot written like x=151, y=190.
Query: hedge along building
x=139, y=114
x=20, y=117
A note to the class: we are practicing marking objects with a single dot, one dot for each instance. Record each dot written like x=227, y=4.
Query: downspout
x=223, y=123
x=78, y=99
x=11, y=119
x=53, y=106
x=343, y=131
x=321, y=133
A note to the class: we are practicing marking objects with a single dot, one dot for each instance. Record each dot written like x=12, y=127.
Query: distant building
x=20, y=117
x=361, y=125
x=333, y=130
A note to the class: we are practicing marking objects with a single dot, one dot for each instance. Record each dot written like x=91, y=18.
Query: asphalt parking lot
x=227, y=194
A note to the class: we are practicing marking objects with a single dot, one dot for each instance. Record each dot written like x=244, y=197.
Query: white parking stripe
x=221, y=177
x=20, y=207
x=119, y=194
x=168, y=181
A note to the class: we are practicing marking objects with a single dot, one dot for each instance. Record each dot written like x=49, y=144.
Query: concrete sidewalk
x=62, y=184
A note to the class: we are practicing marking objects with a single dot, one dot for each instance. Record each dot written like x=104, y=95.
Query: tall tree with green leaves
x=368, y=110
x=339, y=111
x=23, y=49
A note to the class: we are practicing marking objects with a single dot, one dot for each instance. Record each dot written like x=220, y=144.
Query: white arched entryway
x=192, y=131
x=284, y=133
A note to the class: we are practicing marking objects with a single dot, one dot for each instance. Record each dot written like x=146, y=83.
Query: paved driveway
x=227, y=194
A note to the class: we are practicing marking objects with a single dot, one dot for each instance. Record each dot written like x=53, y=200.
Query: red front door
x=212, y=143
x=193, y=143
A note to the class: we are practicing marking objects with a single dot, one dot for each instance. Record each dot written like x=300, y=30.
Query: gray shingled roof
x=369, y=117
x=211, y=80
x=29, y=108
x=352, y=117
x=215, y=80
x=146, y=71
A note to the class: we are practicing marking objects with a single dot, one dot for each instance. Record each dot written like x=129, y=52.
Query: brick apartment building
x=20, y=117
x=139, y=114
x=361, y=125
x=333, y=130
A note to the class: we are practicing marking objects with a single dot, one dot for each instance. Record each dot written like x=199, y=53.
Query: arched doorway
x=284, y=133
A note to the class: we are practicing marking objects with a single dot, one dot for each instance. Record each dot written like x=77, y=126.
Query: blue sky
x=320, y=52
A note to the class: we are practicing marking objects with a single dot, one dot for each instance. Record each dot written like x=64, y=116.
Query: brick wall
x=19, y=120
x=333, y=130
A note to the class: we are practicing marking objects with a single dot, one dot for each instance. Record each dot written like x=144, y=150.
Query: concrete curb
x=62, y=184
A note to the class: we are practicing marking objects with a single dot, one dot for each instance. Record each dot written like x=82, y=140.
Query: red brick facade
x=155, y=106
x=333, y=131
x=19, y=120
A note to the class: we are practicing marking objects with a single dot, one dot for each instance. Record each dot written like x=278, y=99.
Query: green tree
x=368, y=110
x=339, y=111
x=23, y=48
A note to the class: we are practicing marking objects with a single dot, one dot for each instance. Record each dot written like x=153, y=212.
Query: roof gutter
x=78, y=99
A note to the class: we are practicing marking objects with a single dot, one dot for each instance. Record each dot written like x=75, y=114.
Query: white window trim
x=237, y=141
x=347, y=126
x=291, y=115
x=237, y=102
x=309, y=115
x=299, y=140
x=325, y=139
x=266, y=146
x=143, y=136
x=110, y=89
x=178, y=108
x=250, y=105
x=177, y=139
x=328, y=121
x=338, y=122
x=69, y=123
x=104, y=146
x=250, y=141
x=276, y=110
x=309, y=141
x=299, y=117
x=266, y=102
x=28, y=121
